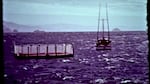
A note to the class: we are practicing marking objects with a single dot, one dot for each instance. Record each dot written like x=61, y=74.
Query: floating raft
x=43, y=50
x=103, y=44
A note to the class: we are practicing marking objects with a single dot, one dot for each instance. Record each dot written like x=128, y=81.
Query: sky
x=127, y=15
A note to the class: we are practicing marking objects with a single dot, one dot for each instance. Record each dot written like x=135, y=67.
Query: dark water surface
x=126, y=62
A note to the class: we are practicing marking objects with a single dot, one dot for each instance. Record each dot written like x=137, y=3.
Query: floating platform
x=103, y=45
x=43, y=50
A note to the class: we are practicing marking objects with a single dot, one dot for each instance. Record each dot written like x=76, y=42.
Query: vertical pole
x=73, y=49
x=39, y=50
x=31, y=48
x=103, y=28
x=47, y=50
x=55, y=49
x=28, y=50
x=107, y=21
x=15, y=51
x=65, y=49
x=98, y=23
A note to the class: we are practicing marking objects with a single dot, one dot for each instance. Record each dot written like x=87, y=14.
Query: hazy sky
x=123, y=14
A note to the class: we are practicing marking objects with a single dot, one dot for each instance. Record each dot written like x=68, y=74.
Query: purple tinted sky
x=124, y=14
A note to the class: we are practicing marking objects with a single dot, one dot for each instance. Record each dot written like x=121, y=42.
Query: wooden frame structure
x=43, y=50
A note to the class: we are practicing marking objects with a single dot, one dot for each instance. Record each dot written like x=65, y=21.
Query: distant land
x=116, y=30
x=10, y=26
x=38, y=31
x=6, y=29
x=13, y=27
x=49, y=27
x=46, y=27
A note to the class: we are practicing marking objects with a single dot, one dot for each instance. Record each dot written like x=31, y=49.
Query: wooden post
x=28, y=50
x=31, y=48
x=72, y=49
x=56, y=49
x=47, y=50
x=65, y=49
x=37, y=50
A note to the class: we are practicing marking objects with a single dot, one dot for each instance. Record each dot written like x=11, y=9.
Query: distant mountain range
x=10, y=26
x=6, y=29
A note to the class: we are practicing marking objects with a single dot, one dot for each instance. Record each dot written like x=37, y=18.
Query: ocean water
x=127, y=62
